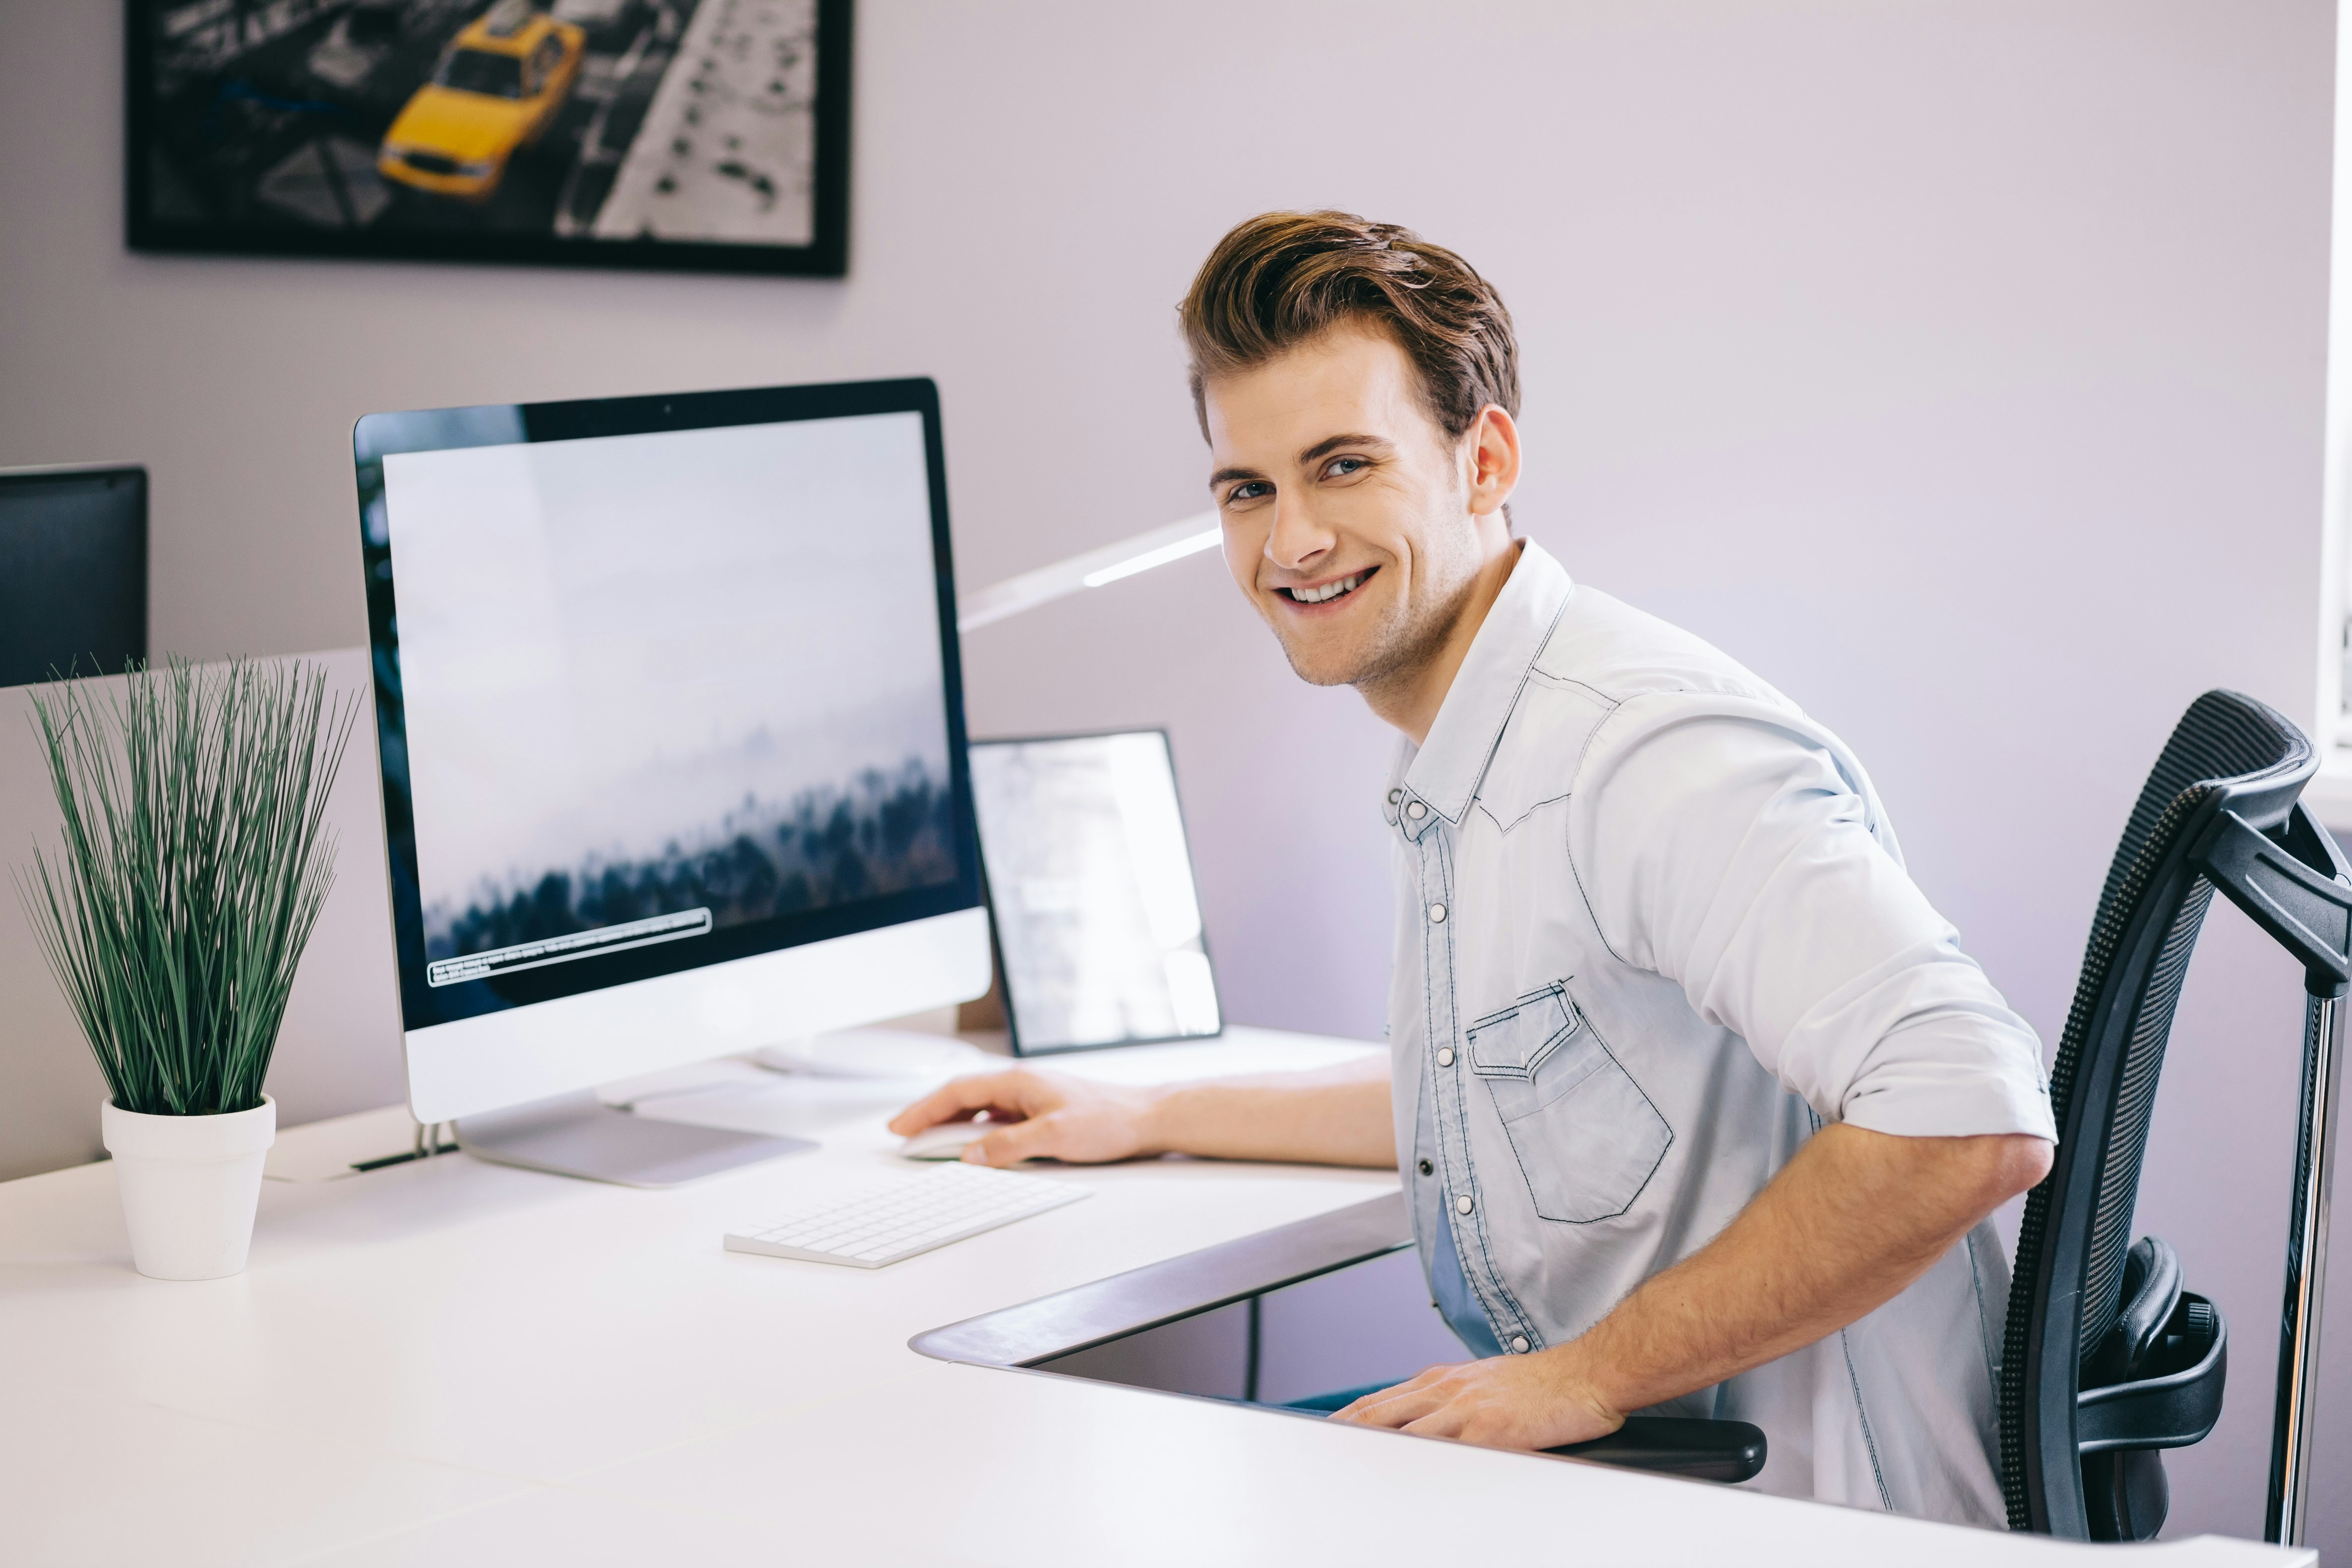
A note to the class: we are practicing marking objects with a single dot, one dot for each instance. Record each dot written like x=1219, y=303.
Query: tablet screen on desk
x=1097, y=922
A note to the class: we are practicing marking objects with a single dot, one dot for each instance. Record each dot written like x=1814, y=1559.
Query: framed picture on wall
x=703, y=134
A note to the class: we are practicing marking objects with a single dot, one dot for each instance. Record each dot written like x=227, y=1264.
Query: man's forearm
x=1849, y=1223
x=1844, y=1228
x=1339, y=1116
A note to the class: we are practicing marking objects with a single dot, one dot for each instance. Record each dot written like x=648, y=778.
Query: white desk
x=451, y=1362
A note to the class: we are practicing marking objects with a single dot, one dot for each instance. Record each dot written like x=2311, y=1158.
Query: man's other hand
x=1523, y=1402
x=1044, y=1116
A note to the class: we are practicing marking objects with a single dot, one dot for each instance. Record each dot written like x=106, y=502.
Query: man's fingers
x=998, y=1092
x=1450, y=1418
x=1391, y=1411
x=1395, y=1406
x=1020, y=1140
x=1419, y=1380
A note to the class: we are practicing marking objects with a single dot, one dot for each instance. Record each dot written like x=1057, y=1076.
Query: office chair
x=2109, y=1360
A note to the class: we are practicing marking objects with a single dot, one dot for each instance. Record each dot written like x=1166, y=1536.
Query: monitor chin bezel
x=494, y=1061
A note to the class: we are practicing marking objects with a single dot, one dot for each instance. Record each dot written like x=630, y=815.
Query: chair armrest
x=2179, y=1400
x=1678, y=1446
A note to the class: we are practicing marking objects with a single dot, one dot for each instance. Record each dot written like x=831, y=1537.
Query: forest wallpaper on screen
x=885, y=834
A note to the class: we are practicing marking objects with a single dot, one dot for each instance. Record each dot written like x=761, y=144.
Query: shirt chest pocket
x=1587, y=1138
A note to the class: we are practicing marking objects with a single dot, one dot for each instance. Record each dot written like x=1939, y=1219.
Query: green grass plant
x=193, y=865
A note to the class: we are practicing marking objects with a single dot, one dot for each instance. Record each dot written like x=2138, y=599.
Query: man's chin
x=1324, y=666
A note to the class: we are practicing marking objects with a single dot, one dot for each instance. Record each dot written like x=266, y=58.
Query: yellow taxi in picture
x=498, y=86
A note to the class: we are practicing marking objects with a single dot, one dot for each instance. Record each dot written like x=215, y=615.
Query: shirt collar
x=1446, y=771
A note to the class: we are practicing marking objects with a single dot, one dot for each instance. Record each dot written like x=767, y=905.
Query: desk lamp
x=1092, y=570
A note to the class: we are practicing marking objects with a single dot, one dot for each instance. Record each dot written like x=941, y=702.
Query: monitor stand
x=580, y=1135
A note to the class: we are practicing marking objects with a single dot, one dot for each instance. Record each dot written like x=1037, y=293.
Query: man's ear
x=1491, y=446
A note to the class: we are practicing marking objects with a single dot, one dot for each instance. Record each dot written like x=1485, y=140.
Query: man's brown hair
x=1281, y=278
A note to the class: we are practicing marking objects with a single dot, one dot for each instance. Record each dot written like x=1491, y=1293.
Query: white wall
x=1959, y=364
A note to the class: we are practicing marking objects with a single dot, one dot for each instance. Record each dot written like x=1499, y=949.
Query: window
x=543, y=61
x=479, y=70
x=2330, y=794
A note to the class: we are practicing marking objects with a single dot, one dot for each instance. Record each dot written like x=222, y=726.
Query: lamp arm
x=1003, y=600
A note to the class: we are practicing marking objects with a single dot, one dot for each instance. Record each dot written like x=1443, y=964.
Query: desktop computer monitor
x=73, y=571
x=670, y=729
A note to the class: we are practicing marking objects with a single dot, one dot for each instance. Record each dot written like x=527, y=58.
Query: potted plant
x=193, y=864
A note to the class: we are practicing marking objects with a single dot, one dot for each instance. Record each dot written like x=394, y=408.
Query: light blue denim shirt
x=1653, y=930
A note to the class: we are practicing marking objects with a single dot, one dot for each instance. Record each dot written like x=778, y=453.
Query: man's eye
x=1250, y=489
x=1340, y=468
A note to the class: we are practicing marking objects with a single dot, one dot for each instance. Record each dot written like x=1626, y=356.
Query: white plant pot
x=190, y=1185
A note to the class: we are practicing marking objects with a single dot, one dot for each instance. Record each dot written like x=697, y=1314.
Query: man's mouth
x=1323, y=594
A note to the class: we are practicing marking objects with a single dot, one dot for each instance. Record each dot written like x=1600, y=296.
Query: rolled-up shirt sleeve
x=1725, y=843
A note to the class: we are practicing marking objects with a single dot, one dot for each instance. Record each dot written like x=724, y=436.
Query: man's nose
x=1296, y=539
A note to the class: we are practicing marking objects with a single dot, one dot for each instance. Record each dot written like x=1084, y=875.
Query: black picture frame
x=378, y=436
x=161, y=123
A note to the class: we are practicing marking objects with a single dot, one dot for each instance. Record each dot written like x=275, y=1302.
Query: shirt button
x=1445, y=1056
x=1427, y=1169
x=1416, y=811
x=1395, y=795
x=1437, y=914
x=1519, y=1345
x=1462, y=1204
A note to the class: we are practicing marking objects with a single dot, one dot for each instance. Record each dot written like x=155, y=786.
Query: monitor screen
x=1097, y=923
x=73, y=573
x=663, y=683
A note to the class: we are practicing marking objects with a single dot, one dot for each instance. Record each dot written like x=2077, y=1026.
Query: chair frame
x=2255, y=841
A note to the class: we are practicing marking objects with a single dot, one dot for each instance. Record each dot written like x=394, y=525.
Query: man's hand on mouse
x=1523, y=1402
x=1045, y=1116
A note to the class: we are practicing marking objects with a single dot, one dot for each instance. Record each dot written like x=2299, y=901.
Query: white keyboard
x=880, y=1225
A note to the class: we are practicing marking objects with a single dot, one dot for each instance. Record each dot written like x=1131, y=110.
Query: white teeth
x=1328, y=590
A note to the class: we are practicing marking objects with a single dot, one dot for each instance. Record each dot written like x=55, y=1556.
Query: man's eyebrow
x=1330, y=444
x=1321, y=449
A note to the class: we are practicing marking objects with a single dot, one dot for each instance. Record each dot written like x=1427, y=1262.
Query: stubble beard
x=1394, y=655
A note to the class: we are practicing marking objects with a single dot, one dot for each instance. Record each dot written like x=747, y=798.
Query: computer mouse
x=945, y=1142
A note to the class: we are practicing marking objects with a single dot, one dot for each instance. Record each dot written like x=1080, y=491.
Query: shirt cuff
x=1930, y=1100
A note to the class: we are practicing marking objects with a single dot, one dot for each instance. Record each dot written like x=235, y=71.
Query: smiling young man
x=1700, y=1109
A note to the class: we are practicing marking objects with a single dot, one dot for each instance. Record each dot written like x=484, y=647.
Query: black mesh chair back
x=2108, y=1359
